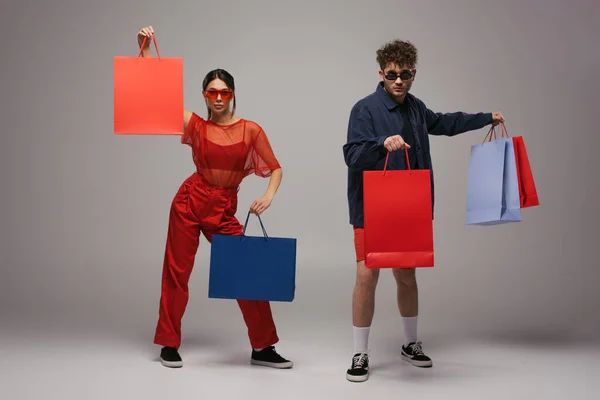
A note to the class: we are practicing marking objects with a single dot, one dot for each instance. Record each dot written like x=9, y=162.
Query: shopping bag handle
x=261, y=225
x=144, y=42
x=493, y=131
x=388, y=156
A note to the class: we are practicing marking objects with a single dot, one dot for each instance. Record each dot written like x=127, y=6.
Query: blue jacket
x=376, y=117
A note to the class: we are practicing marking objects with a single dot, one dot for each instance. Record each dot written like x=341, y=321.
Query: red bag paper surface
x=148, y=95
x=398, y=219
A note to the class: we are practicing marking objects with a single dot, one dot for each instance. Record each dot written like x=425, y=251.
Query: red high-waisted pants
x=200, y=207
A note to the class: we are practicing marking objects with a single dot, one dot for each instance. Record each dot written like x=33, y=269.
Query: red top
x=225, y=154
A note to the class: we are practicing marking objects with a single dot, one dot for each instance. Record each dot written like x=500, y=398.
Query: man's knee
x=366, y=277
x=405, y=277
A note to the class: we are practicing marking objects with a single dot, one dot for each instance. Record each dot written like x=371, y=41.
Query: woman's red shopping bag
x=148, y=95
x=398, y=218
x=527, y=190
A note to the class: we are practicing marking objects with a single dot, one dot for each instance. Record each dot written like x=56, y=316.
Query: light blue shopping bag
x=493, y=186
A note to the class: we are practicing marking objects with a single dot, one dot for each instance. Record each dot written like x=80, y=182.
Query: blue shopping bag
x=493, y=186
x=252, y=268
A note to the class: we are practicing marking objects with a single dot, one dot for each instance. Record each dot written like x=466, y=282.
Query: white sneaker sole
x=172, y=364
x=421, y=364
x=355, y=378
x=284, y=365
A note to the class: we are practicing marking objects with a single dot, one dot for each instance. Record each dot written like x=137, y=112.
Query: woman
x=225, y=150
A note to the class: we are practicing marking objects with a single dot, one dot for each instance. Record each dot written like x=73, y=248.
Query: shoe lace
x=274, y=353
x=417, y=348
x=359, y=360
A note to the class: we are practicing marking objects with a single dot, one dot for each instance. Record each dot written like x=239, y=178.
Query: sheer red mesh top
x=225, y=154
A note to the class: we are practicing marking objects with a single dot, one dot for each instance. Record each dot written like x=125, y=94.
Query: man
x=388, y=120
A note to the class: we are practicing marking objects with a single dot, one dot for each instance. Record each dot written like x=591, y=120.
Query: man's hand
x=498, y=118
x=394, y=143
x=260, y=205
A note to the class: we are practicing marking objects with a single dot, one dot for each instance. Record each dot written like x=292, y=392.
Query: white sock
x=410, y=329
x=361, y=339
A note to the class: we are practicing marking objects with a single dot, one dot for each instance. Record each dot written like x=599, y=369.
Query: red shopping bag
x=148, y=95
x=527, y=191
x=398, y=218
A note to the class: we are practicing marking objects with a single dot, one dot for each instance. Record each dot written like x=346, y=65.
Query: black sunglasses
x=404, y=75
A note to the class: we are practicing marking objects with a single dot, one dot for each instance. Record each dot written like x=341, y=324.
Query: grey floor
x=91, y=338
x=87, y=367
x=46, y=359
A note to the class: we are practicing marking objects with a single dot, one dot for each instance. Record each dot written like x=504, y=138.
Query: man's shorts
x=359, y=243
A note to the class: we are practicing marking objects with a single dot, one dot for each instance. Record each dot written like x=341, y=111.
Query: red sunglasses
x=226, y=94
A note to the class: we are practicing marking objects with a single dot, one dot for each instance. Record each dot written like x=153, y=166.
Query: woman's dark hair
x=225, y=77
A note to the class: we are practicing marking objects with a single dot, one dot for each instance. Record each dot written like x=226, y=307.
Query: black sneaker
x=169, y=357
x=359, y=371
x=413, y=353
x=268, y=357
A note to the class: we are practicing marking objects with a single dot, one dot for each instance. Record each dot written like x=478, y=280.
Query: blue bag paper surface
x=493, y=187
x=252, y=268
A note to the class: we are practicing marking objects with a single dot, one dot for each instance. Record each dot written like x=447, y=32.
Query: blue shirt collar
x=387, y=99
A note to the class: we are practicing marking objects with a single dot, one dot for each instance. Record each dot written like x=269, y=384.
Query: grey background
x=84, y=212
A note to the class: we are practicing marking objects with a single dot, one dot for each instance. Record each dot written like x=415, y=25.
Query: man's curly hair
x=400, y=52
